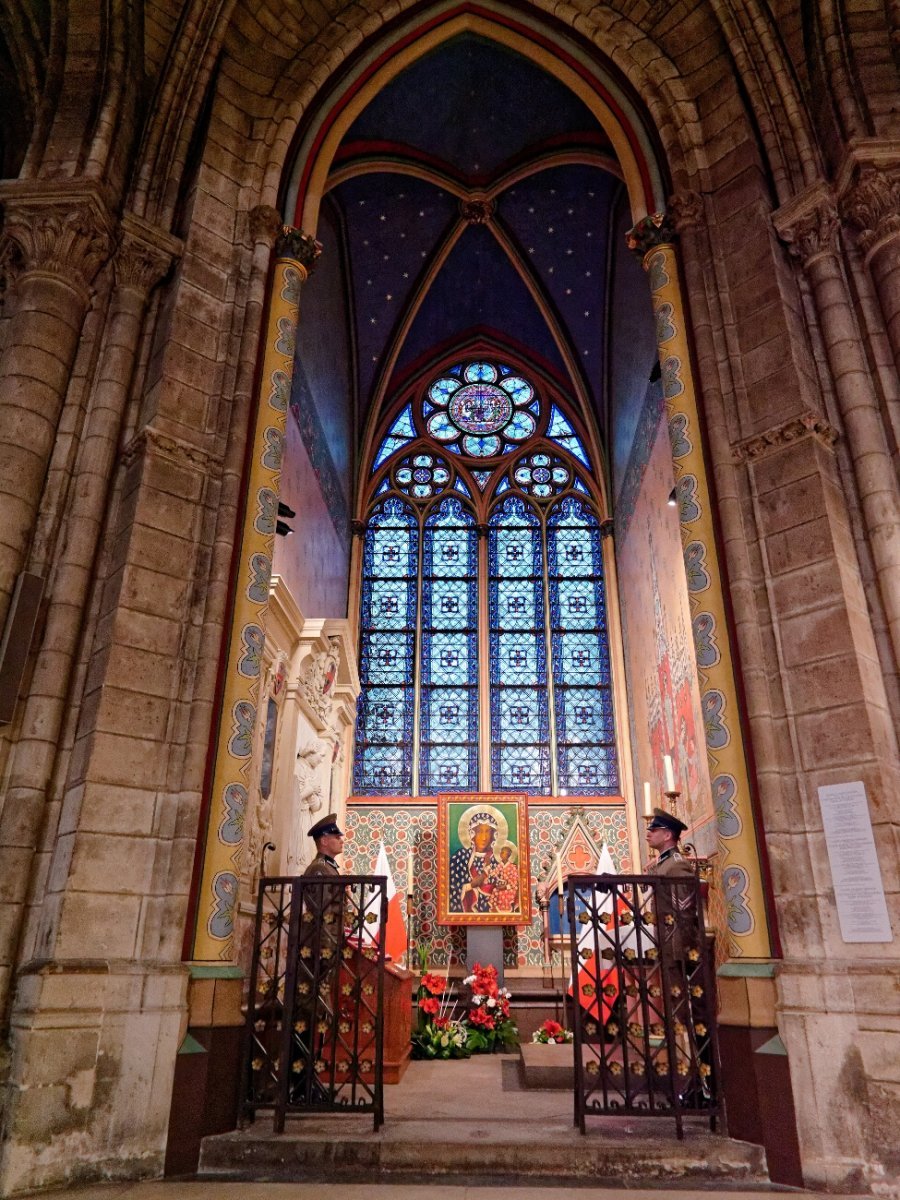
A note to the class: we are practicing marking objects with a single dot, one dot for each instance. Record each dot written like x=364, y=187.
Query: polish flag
x=395, y=933
x=591, y=981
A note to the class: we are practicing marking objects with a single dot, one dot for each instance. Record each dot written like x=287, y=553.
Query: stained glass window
x=582, y=683
x=449, y=687
x=539, y=578
x=384, y=728
x=520, y=728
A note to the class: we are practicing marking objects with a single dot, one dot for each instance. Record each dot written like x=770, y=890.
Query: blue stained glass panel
x=564, y=435
x=448, y=759
x=585, y=725
x=520, y=732
x=383, y=758
x=401, y=432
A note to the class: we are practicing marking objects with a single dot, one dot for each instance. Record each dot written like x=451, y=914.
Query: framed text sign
x=858, y=889
x=483, y=871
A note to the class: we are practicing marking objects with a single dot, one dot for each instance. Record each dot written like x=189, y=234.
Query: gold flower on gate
x=346, y=989
x=705, y=1070
x=615, y=1068
x=257, y=1064
x=345, y=1027
x=326, y=953
x=347, y=952
x=367, y=989
x=612, y=1028
x=583, y=918
x=322, y=1026
x=676, y=991
x=306, y=951
x=696, y=990
x=299, y=1027
x=321, y=1065
x=653, y=954
x=631, y=990
x=303, y=988
x=365, y=1065
x=682, y=1068
x=635, y=1029
x=694, y=954
x=366, y=1027
x=626, y=918
x=700, y=1030
x=592, y=1068
x=629, y=954
x=590, y=1028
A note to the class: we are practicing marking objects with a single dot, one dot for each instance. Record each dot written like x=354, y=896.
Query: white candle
x=648, y=800
x=670, y=774
x=409, y=874
x=559, y=877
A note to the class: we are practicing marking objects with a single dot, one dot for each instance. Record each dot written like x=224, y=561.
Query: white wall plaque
x=858, y=889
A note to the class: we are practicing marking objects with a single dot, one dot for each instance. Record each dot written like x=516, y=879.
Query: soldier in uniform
x=329, y=843
x=679, y=942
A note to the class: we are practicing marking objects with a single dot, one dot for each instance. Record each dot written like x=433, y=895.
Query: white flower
x=469, y=980
x=492, y=1003
x=445, y=1041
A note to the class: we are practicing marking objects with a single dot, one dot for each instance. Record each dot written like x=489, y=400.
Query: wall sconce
x=673, y=498
x=281, y=527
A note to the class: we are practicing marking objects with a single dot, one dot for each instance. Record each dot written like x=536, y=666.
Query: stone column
x=872, y=208
x=654, y=240
x=143, y=258
x=809, y=227
x=55, y=238
x=222, y=831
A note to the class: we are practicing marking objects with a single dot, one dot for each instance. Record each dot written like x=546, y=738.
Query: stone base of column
x=92, y=1055
x=756, y=1081
x=839, y=1024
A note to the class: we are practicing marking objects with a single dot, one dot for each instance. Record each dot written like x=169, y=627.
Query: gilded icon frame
x=496, y=895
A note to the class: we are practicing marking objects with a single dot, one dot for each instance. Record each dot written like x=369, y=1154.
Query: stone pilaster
x=54, y=240
x=809, y=226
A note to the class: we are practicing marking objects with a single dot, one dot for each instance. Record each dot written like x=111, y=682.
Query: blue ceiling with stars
x=528, y=265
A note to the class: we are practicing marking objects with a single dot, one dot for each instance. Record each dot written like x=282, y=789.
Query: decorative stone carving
x=686, y=211
x=318, y=672
x=145, y=254
x=175, y=448
x=60, y=230
x=303, y=247
x=476, y=211
x=808, y=224
x=809, y=424
x=651, y=231
x=308, y=799
x=265, y=224
x=872, y=206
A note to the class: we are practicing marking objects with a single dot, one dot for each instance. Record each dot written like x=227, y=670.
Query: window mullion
x=548, y=636
x=416, y=665
x=485, y=782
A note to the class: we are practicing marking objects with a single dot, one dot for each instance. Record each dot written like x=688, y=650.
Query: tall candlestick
x=669, y=773
x=559, y=877
x=648, y=800
x=409, y=873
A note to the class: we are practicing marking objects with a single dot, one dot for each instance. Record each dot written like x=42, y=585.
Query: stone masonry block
x=128, y=760
x=111, y=864
x=840, y=735
x=92, y=925
x=108, y=808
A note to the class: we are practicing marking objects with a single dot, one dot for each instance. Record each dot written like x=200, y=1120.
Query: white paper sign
x=858, y=889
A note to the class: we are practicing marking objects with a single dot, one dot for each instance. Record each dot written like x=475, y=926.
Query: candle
x=409, y=873
x=648, y=800
x=559, y=878
x=670, y=774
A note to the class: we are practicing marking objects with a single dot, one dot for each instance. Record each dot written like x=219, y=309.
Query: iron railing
x=315, y=1010
x=644, y=1010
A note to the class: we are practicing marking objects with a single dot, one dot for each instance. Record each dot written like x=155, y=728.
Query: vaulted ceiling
x=474, y=193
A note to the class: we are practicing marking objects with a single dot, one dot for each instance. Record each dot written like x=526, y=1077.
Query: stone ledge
x=547, y=1066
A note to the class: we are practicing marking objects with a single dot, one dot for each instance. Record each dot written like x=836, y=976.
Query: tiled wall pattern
x=402, y=827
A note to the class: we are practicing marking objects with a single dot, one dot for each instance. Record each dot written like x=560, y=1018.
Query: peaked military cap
x=666, y=820
x=326, y=825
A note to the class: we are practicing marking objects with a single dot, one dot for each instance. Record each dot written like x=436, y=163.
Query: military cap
x=665, y=820
x=325, y=826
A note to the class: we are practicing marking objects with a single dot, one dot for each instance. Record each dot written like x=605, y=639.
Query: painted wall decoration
x=729, y=776
x=659, y=644
x=483, y=869
x=295, y=254
x=406, y=827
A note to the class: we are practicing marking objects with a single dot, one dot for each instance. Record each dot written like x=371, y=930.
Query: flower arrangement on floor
x=486, y=1026
x=552, y=1032
x=489, y=1023
x=438, y=1033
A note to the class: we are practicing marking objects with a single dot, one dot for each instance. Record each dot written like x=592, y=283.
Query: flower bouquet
x=552, y=1032
x=438, y=1034
x=490, y=1027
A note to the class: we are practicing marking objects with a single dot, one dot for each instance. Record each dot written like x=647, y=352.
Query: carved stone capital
x=152, y=440
x=145, y=254
x=61, y=228
x=808, y=424
x=265, y=224
x=476, y=210
x=686, y=211
x=302, y=247
x=607, y=527
x=651, y=231
x=357, y=528
x=808, y=224
x=872, y=206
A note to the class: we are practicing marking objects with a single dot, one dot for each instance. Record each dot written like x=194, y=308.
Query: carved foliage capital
x=808, y=424
x=686, y=210
x=145, y=254
x=872, y=206
x=651, y=231
x=265, y=224
x=810, y=230
x=68, y=235
x=302, y=247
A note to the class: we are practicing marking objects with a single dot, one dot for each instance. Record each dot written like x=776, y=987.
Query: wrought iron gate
x=645, y=1022
x=316, y=1004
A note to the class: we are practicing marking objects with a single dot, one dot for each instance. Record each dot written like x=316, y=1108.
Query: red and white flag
x=395, y=932
x=597, y=989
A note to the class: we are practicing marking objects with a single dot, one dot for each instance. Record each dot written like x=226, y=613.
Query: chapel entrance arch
x=706, y=639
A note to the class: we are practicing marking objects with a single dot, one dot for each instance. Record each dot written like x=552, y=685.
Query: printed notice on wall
x=858, y=889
